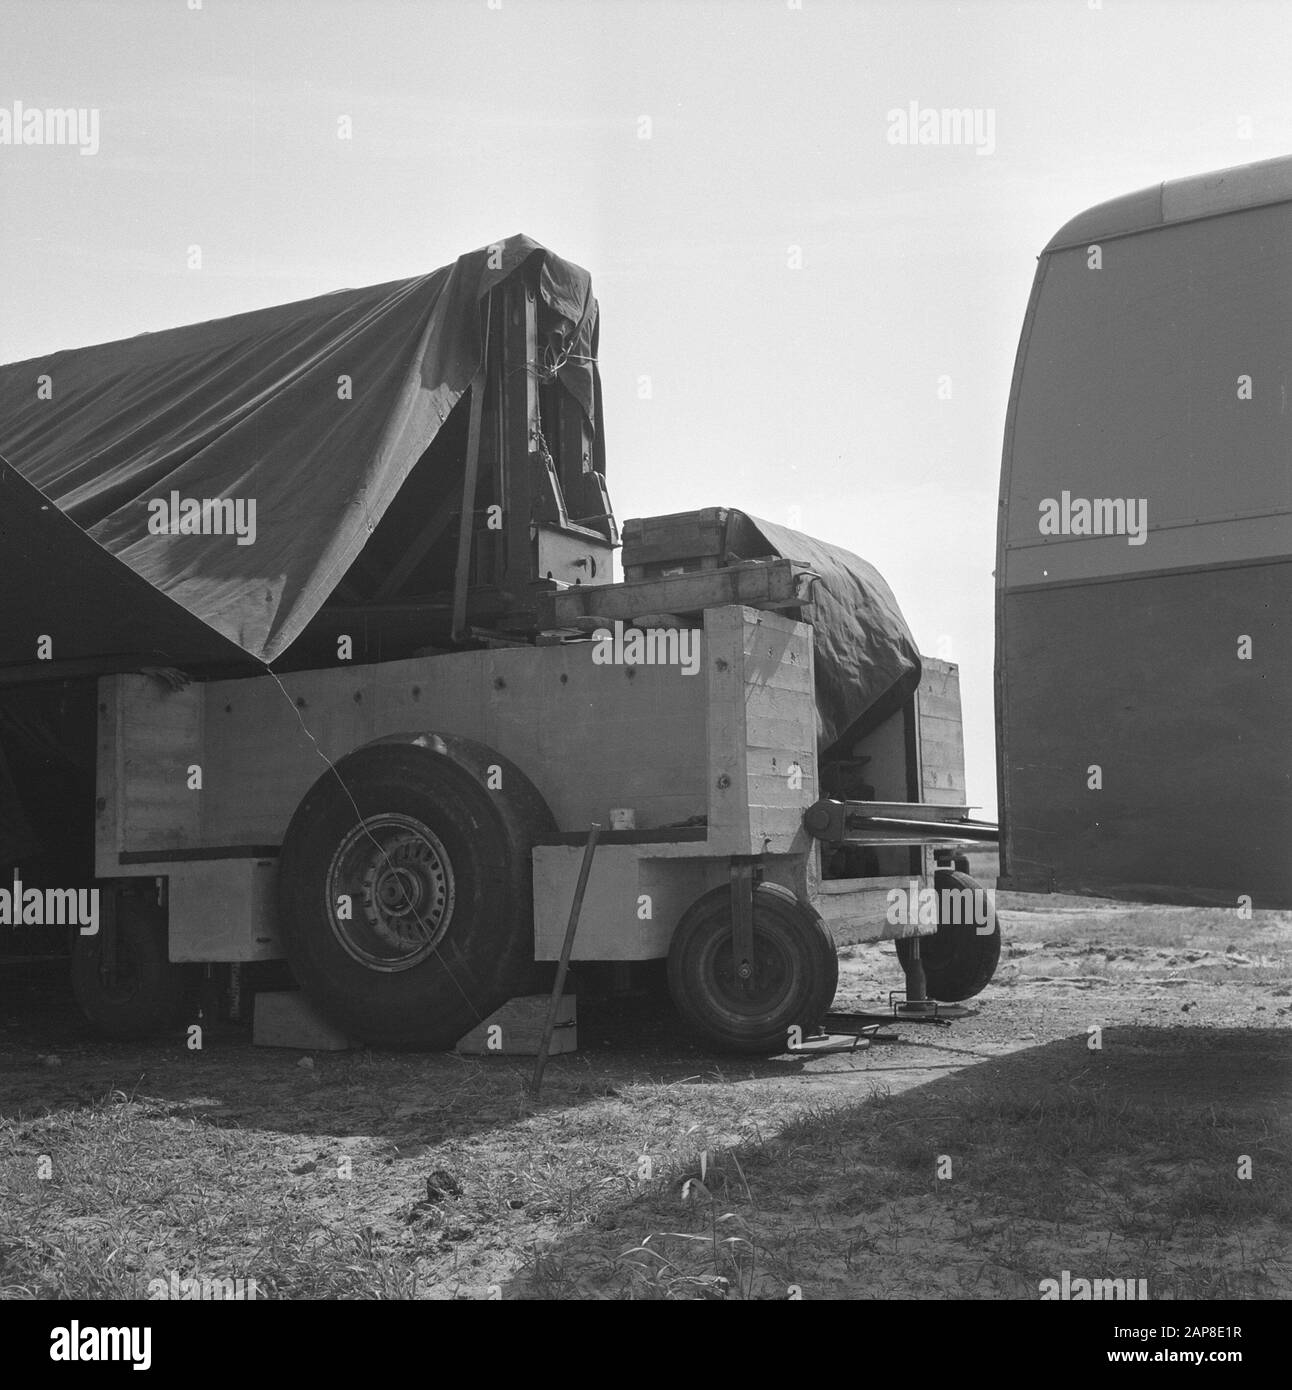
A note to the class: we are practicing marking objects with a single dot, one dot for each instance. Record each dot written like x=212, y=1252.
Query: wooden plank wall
x=942, y=749
x=589, y=736
x=148, y=738
x=723, y=741
x=762, y=724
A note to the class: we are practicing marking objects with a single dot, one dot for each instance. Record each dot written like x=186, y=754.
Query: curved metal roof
x=1180, y=200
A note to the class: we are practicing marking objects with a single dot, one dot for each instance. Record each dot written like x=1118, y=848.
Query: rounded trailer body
x=1144, y=567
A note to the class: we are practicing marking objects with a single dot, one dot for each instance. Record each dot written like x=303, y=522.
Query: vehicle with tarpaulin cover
x=318, y=656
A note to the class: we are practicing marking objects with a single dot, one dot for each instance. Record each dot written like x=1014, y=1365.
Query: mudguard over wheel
x=796, y=971
x=146, y=992
x=405, y=889
x=961, y=958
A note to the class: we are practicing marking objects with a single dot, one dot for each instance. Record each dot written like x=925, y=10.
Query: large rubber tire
x=437, y=869
x=150, y=991
x=796, y=971
x=958, y=962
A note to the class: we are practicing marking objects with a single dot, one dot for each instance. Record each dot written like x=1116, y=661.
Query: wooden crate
x=676, y=544
x=516, y=1029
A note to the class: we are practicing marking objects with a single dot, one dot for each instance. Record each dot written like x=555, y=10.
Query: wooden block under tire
x=519, y=1024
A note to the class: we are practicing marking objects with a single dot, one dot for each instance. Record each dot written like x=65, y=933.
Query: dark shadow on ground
x=1197, y=1079
x=229, y=1083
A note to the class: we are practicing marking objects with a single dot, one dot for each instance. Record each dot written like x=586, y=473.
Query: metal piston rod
x=894, y=823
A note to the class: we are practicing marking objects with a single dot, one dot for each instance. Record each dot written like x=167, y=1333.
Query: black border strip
x=689, y=833
x=178, y=856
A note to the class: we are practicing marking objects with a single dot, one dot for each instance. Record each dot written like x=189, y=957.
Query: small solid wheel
x=405, y=892
x=795, y=971
x=961, y=958
x=146, y=992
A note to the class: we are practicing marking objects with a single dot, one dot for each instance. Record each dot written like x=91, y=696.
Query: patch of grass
x=1098, y=923
x=846, y=1202
x=379, y=1176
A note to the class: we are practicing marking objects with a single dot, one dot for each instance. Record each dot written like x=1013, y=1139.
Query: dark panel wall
x=1142, y=677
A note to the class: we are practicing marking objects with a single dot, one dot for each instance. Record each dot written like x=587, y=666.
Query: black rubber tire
x=436, y=990
x=797, y=971
x=958, y=962
x=151, y=991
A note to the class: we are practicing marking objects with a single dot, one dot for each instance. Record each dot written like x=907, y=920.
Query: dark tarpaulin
x=62, y=586
x=251, y=407
x=866, y=661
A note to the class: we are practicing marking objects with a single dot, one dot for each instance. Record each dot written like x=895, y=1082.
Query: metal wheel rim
x=398, y=879
x=773, y=974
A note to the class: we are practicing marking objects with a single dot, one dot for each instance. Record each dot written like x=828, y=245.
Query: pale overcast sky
x=802, y=386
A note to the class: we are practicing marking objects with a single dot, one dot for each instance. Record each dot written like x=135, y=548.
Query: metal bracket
x=108, y=937
x=743, y=871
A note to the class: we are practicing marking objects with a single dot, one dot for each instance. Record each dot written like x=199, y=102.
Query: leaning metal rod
x=558, y=989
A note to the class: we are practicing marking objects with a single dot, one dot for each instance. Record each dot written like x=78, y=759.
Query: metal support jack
x=913, y=1004
x=917, y=1007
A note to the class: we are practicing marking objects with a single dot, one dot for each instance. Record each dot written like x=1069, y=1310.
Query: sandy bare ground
x=970, y=1161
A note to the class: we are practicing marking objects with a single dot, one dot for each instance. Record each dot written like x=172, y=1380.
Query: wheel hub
x=752, y=984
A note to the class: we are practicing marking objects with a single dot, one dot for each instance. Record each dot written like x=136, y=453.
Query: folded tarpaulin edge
x=47, y=536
